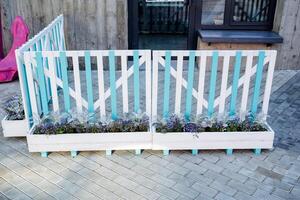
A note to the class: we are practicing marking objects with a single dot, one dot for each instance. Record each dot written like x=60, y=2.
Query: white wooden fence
x=50, y=38
x=257, y=64
x=90, y=102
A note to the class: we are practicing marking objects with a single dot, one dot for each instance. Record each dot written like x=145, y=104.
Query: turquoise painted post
x=44, y=154
x=41, y=81
x=194, y=152
x=167, y=84
x=257, y=151
x=108, y=152
x=259, y=72
x=27, y=96
x=74, y=154
x=188, y=105
x=64, y=66
x=112, y=78
x=166, y=152
x=136, y=81
x=229, y=151
x=235, y=82
x=138, y=152
x=212, y=85
x=89, y=84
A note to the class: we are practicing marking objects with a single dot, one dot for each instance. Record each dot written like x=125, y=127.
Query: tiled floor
x=210, y=175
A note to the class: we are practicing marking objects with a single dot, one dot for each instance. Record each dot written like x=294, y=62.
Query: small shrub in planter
x=75, y=132
x=67, y=123
x=14, y=123
x=176, y=123
x=222, y=132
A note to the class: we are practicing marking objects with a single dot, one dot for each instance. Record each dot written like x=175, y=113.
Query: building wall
x=89, y=24
x=287, y=23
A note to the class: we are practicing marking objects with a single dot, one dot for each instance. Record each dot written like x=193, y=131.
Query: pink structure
x=8, y=66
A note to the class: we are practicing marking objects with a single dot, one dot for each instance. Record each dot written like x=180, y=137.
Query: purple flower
x=190, y=127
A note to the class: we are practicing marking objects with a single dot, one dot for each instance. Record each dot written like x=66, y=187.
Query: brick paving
x=275, y=174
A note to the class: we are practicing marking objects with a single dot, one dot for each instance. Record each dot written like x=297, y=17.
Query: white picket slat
x=268, y=86
x=246, y=85
x=32, y=92
x=224, y=84
x=148, y=83
x=124, y=83
x=76, y=72
x=201, y=81
x=53, y=82
x=178, y=84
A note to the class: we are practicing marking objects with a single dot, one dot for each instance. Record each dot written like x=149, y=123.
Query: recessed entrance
x=162, y=24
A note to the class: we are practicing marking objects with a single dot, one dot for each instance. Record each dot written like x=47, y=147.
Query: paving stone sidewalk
x=273, y=175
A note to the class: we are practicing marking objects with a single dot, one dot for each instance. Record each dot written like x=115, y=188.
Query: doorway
x=162, y=24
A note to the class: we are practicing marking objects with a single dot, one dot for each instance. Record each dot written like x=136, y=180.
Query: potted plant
x=78, y=132
x=14, y=123
x=212, y=133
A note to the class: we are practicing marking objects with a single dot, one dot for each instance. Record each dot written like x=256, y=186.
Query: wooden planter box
x=214, y=140
x=89, y=141
x=14, y=128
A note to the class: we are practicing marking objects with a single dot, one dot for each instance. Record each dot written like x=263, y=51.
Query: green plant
x=214, y=124
x=56, y=123
x=13, y=108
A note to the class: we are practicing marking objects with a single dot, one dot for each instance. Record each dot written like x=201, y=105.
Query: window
x=238, y=14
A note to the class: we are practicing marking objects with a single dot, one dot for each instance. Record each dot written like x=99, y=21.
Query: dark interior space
x=163, y=25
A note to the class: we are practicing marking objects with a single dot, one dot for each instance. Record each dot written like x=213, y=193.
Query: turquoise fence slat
x=112, y=78
x=89, y=84
x=212, y=85
x=64, y=65
x=136, y=81
x=188, y=105
x=167, y=84
x=27, y=95
x=258, y=79
x=235, y=82
x=42, y=83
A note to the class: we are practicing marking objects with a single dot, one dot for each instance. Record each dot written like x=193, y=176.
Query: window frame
x=229, y=24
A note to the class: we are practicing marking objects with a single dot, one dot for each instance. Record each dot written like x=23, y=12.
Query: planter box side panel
x=89, y=142
x=263, y=140
x=14, y=128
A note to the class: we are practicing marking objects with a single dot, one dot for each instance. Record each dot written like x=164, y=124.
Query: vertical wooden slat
x=42, y=83
x=201, y=80
x=112, y=78
x=155, y=85
x=178, y=84
x=101, y=84
x=188, y=105
x=212, y=85
x=89, y=84
x=268, y=86
x=124, y=83
x=235, y=82
x=136, y=81
x=77, y=82
x=148, y=82
x=53, y=77
x=246, y=86
x=259, y=71
x=31, y=88
x=224, y=83
x=64, y=66
x=167, y=84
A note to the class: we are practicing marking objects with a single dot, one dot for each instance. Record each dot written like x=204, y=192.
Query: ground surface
x=211, y=175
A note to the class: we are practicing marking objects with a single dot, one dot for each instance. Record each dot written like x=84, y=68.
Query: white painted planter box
x=14, y=128
x=89, y=142
x=213, y=140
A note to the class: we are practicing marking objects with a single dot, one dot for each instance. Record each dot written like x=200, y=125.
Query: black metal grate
x=163, y=17
x=251, y=10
